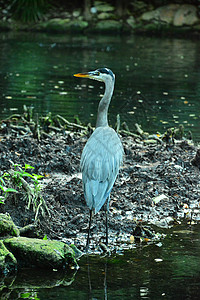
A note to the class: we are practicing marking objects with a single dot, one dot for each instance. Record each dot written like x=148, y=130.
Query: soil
x=157, y=187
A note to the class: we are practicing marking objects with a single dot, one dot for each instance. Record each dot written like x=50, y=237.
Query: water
x=169, y=269
x=157, y=79
x=158, y=86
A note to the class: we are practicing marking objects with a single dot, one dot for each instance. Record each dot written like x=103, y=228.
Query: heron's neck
x=102, y=116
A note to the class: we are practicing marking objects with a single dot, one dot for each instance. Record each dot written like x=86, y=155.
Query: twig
x=130, y=134
x=71, y=124
x=20, y=128
x=141, y=132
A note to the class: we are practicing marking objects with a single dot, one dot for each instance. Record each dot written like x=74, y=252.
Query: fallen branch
x=141, y=132
x=128, y=133
x=71, y=124
x=19, y=128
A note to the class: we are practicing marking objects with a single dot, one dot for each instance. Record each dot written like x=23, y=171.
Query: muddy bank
x=157, y=187
x=157, y=17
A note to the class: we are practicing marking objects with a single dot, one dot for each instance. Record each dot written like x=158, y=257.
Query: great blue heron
x=103, y=153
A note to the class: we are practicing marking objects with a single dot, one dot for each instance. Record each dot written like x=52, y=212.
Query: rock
x=140, y=6
x=64, y=15
x=77, y=25
x=175, y=14
x=103, y=6
x=63, y=25
x=105, y=16
x=56, y=24
x=108, y=26
x=31, y=252
x=8, y=262
x=164, y=14
x=76, y=13
x=150, y=15
x=186, y=15
x=7, y=227
x=131, y=22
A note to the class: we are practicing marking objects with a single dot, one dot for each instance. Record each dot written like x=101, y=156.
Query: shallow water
x=157, y=79
x=169, y=269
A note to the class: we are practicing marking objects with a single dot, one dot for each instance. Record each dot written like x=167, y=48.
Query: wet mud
x=157, y=187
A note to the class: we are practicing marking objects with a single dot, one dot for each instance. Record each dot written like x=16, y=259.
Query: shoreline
x=167, y=20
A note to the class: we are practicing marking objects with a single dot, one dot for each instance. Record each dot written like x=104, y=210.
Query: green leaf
x=2, y=187
x=6, y=175
x=37, y=176
x=16, y=165
x=11, y=190
x=28, y=175
x=18, y=173
x=2, y=200
x=2, y=181
x=25, y=295
x=45, y=237
x=27, y=166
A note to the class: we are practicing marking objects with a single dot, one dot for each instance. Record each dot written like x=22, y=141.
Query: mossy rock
x=7, y=227
x=57, y=25
x=31, y=252
x=62, y=25
x=106, y=16
x=108, y=26
x=77, y=25
x=102, y=6
x=8, y=262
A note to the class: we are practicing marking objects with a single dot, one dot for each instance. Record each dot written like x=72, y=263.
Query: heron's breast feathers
x=102, y=155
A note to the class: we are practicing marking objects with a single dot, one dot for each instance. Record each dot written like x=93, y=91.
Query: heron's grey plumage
x=103, y=153
x=100, y=163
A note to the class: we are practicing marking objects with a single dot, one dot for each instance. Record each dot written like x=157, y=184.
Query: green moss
x=8, y=262
x=7, y=227
x=108, y=26
x=62, y=25
x=41, y=253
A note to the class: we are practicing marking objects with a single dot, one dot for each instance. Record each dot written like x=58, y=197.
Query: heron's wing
x=100, y=162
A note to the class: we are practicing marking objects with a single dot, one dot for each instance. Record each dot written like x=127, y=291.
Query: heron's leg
x=88, y=237
x=106, y=227
x=107, y=211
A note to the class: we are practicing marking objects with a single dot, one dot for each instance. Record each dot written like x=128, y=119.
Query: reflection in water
x=26, y=283
x=166, y=270
x=90, y=284
x=157, y=79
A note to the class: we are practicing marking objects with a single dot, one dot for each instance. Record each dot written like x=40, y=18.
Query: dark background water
x=157, y=79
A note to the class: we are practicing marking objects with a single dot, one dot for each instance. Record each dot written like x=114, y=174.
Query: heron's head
x=102, y=74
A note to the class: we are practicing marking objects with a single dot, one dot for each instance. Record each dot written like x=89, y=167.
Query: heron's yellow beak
x=92, y=75
x=85, y=75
